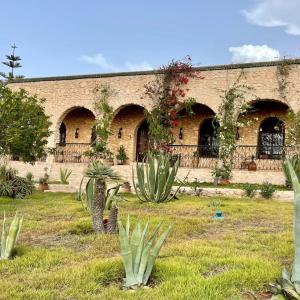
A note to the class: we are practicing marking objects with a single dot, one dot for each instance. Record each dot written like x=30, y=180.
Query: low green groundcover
x=61, y=258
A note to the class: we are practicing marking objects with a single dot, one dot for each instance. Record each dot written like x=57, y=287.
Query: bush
x=267, y=190
x=122, y=156
x=249, y=190
x=14, y=186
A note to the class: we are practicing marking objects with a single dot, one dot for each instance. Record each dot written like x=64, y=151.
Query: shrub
x=249, y=190
x=64, y=175
x=267, y=190
x=14, y=186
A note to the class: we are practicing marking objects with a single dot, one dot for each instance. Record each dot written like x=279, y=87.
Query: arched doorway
x=207, y=139
x=142, y=141
x=271, y=138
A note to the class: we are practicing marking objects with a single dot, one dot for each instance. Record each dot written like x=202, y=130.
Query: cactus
x=288, y=287
x=10, y=236
x=155, y=178
x=139, y=252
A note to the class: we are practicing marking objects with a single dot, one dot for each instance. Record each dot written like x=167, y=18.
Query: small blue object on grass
x=218, y=215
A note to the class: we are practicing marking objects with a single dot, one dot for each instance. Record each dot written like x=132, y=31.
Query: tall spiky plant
x=288, y=287
x=155, y=178
x=10, y=236
x=96, y=190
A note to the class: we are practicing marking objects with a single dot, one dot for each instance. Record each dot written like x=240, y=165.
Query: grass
x=61, y=258
x=199, y=184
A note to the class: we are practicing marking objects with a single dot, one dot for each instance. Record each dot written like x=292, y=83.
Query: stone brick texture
x=70, y=100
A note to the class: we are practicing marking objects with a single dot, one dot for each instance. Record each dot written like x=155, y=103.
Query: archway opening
x=76, y=127
x=271, y=138
x=208, y=138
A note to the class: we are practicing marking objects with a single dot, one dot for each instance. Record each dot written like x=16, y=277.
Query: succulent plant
x=155, y=178
x=139, y=252
x=10, y=236
x=288, y=287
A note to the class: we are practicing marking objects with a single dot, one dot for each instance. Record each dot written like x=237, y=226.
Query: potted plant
x=44, y=183
x=108, y=158
x=121, y=156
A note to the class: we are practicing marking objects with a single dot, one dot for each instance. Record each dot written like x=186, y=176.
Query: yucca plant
x=10, y=236
x=139, y=252
x=64, y=175
x=98, y=198
x=155, y=178
x=288, y=287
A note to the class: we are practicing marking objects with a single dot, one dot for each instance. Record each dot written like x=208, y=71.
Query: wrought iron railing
x=193, y=156
x=72, y=152
x=196, y=156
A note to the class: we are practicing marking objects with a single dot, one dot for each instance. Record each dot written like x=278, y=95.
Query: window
x=271, y=139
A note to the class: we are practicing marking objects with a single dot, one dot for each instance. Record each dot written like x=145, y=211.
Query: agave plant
x=10, y=236
x=139, y=252
x=155, y=178
x=98, y=198
x=288, y=287
x=295, y=162
x=64, y=175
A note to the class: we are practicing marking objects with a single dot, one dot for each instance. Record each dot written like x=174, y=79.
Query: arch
x=271, y=138
x=124, y=126
x=75, y=126
x=208, y=139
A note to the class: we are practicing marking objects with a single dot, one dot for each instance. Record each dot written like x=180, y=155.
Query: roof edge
x=137, y=73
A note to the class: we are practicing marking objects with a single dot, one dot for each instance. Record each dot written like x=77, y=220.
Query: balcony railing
x=194, y=156
x=72, y=152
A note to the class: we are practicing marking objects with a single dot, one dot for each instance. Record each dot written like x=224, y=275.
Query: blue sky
x=92, y=36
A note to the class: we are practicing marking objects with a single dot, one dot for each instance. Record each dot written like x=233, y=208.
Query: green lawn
x=61, y=258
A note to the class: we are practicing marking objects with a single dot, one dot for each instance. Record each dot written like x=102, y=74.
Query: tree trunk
x=112, y=221
x=98, y=205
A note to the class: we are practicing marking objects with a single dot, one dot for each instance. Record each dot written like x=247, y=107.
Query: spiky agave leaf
x=99, y=170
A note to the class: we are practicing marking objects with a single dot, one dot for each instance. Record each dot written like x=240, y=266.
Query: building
x=69, y=102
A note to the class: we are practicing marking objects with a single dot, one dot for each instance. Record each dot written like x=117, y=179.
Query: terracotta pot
x=224, y=181
x=252, y=166
x=120, y=162
x=43, y=187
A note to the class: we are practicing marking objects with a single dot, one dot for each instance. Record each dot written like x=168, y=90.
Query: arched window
x=142, y=143
x=62, y=133
x=271, y=138
x=207, y=141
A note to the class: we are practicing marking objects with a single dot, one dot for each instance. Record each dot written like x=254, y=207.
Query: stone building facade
x=70, y=99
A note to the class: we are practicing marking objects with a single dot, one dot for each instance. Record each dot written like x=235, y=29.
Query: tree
x=13, y=62
x=24, y=126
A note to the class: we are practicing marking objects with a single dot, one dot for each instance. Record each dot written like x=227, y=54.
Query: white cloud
x=100, y=61
x=143, y=66
x=253, y=53
x=276, y=13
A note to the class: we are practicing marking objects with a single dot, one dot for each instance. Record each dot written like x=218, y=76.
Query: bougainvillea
x=168, y=93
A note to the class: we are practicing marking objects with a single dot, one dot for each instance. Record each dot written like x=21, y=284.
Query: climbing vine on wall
x=282, y=73
x=103, y=93
x=229, y=117
x=168, y=93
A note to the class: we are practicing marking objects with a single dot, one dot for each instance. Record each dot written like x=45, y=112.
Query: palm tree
x=99, y=174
